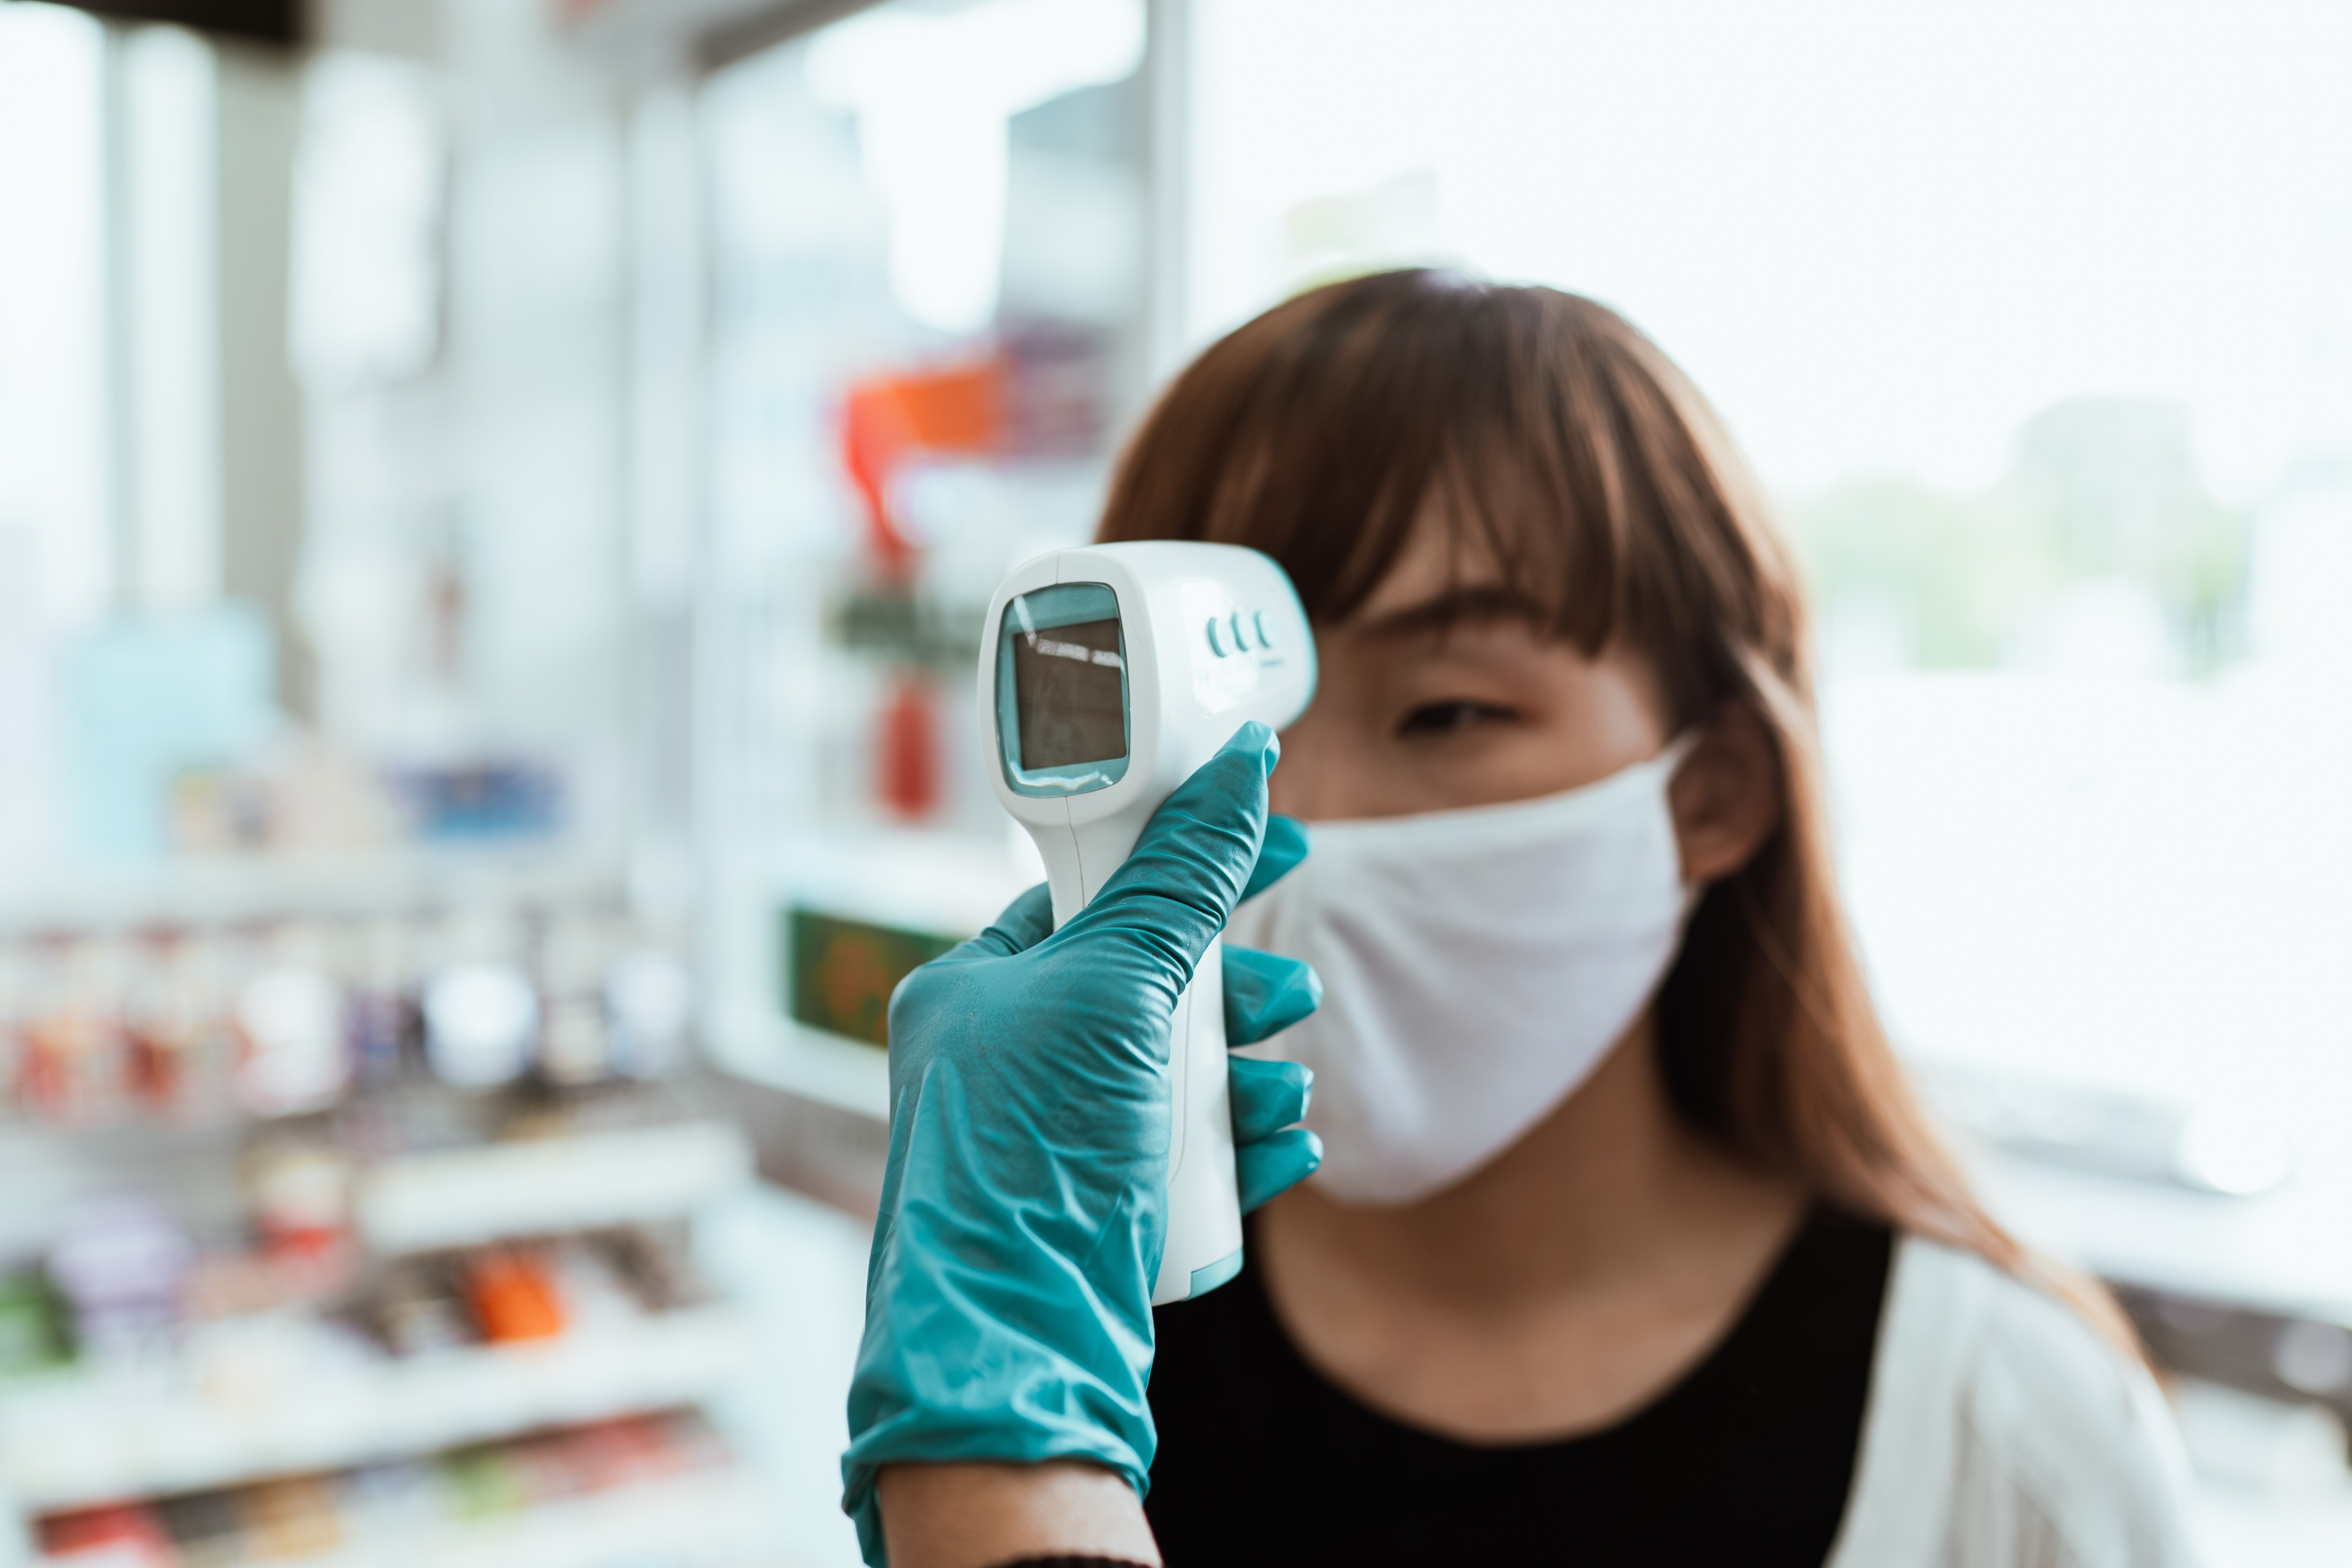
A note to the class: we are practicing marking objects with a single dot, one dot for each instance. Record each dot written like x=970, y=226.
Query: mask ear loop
x=1669, y=762
x=1676, y=752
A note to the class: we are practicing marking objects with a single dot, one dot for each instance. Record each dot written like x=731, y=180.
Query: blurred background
x=496, y=503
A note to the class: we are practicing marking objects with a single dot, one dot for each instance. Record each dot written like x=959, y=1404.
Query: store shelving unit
x=230, y=889
x=819, y=637
x=585, y=1181
x=687, y=1520
x=133, y=1430
x=82, y=1440
x=845, y=1074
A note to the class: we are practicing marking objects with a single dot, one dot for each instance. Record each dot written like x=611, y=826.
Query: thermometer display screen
x=1068, y=693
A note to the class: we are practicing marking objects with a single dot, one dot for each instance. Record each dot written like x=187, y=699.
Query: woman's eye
x=1446, y=718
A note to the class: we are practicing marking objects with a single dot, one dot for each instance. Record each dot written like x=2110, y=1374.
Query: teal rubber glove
x=1264, y=994
x=1008, y=1302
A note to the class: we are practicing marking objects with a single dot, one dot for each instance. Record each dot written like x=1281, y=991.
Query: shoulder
x=2044, y=1443
x=2068, y=1422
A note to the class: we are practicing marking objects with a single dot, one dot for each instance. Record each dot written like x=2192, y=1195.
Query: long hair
x=1570, y=450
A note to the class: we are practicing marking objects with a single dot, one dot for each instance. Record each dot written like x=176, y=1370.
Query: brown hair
x=1576, y=454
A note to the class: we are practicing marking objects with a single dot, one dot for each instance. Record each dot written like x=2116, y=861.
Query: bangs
x=1547, y=439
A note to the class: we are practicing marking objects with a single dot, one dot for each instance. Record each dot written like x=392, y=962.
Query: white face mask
x=1477, y=967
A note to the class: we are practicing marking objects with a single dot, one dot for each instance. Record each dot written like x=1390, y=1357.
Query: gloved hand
x=1265, y=994
x=1008, y=1301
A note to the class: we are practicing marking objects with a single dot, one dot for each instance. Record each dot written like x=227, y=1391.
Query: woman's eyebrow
x=1457, y=607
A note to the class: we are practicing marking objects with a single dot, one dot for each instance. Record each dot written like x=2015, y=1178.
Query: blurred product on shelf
x=299, y=1192
x=481, y=1024
x=915, y=445
x=174, y=742
x=483, y=801
x=177, y=745
x=384, y=1016
x=333, y=1190
x=120, y=1265
x=418, y=1312
x=132, y=1363
x=513, y=1297
x=298, y=792
x=206, y=1026
x=906, y=749
x=125, y=1284
x=582, y=1023
x=144, y=700
x=890, y=423
x=290, y=1015
x=649, y=1002
x=301, y=796
x=35, y=1333
x=840, y=971
x=380, y=1509
x=1043, y=393
x=123, y=1535
x=183, y=1039
x=73, y=1061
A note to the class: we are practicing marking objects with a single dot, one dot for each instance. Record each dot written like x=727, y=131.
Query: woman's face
x=1443, y=692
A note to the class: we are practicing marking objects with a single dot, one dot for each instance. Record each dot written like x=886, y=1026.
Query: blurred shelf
x=84, y=1440
x=231, y=888
x=707, y=1521
x=2281, y=1252
x=953, y=882
x=704, y=1521
x=588, y=1181
x=752, y=1042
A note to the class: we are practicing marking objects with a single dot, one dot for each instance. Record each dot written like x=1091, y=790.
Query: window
x=2037, y=321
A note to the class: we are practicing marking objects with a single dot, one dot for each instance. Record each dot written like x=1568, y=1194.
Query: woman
x=1631, y=1246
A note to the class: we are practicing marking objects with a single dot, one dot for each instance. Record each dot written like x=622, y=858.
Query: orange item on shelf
x=887, y=421
x=513, y=1297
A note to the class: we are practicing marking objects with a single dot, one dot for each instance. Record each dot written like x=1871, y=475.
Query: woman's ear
x=1725, y=796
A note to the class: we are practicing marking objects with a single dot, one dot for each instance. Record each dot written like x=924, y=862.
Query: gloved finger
x=1179, y=887
x=1285, y=847
x=1266, y=1096
x=1265, y=994
x=1026, y=921
x=1274, y=1165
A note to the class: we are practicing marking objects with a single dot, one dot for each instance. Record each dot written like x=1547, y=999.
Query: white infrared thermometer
x=1110, y=673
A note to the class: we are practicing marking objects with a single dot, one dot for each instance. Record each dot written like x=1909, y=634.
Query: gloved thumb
x=1179, y=884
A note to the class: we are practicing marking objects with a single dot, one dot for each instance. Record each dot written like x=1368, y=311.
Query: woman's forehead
x=1438, y=563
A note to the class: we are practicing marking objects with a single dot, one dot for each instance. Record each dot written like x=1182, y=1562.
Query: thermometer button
x=1257, y=620
x=1240, y=642
x=1214, y=645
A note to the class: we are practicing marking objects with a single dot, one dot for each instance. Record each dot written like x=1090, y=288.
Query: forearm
x=980, y=1516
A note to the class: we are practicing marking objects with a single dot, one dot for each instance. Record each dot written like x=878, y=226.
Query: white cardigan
x=2003, y=1432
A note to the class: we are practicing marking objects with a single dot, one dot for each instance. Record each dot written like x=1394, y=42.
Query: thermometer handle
x=1205, y=1198
x=1205, y=1211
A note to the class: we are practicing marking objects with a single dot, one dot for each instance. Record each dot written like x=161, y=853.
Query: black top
x=1748, y=1459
